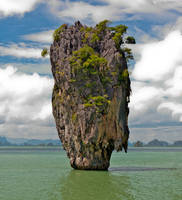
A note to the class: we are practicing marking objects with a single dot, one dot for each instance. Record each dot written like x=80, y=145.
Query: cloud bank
x=25, y=101
x=157, y=85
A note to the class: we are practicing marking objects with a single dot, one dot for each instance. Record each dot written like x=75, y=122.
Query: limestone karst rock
x=91, y=92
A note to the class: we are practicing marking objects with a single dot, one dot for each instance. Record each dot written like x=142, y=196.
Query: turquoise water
x=47, y=175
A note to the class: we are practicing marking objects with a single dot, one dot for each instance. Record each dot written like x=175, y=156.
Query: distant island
x=28, y=142
x=49, y=142
x=158, y=143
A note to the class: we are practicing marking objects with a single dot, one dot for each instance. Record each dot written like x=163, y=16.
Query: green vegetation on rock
x=74, y=117
x=118, y=32
x=87, y=61
x=128, y=54
x=130, y=40
x=94, y=34
x=85, y=64
x=124, y=76
x=56, y=34
x=44, y=52
x=102, y=26
x=100, y=102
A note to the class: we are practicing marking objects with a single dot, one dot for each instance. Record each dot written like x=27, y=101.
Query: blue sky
x=26, y=81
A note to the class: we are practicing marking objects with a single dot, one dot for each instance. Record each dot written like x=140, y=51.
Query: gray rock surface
x=90, y=103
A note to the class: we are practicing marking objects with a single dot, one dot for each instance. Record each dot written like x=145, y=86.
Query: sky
x=26, y=81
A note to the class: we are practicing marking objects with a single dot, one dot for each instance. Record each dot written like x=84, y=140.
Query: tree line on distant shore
x=158, y=143
x=28, y=142
x=35, y=142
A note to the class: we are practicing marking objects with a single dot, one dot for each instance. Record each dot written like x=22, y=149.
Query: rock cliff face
x=91, y=92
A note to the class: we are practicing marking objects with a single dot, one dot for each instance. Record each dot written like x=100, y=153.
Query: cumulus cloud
x=24, y=97
x=157, y=85
x=42, y=37
x=144, y=96
x=20, y=51
x=25, y=100
x=80, y=10
x=174, y=108
x=159, y=59
x=111, y=9
x=43, y=68
x=174, y=85
x=12, y=7
x=153, y=6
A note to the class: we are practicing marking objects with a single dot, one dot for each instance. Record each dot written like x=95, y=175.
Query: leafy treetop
x=56, y=34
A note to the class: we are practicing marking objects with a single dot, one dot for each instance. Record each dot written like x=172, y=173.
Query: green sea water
x=46, y=175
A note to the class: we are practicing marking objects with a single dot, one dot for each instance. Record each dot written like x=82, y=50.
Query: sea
x=44, y=173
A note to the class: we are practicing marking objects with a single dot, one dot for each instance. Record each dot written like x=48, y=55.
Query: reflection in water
x=95, y=185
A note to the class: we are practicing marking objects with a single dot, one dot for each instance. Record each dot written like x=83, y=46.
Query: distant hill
x=17, y=141
x=157, y=143
x=49, y=142
x=28, y=142
x=178, y=144
x=34, y=142
x=4, y=141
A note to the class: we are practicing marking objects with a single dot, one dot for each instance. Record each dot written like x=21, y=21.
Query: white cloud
x=23, y=97
x=43, y=68
x=143, y=96
x=112, y=9
x=14, y=7
x=159, y=59
x=144, y=101
x=80, y=10
x=148, y=6
x=174, y=85
x=157, y=84
x=44, y=112
x=25, y=100
x=174, y=108
x=20, y=51
x=134, y=6
x=42, y=37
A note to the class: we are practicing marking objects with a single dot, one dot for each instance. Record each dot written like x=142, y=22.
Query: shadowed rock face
x=91, y=94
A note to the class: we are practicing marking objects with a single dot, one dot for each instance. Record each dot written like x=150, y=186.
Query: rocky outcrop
x=91, y=92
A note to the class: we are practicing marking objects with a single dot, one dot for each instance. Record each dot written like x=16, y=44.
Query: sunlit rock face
x=91, y=94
